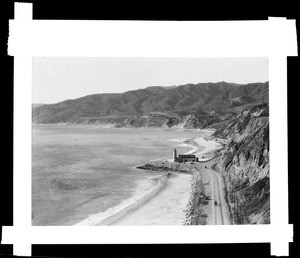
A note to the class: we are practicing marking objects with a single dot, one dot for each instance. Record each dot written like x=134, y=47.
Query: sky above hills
x=59, y=78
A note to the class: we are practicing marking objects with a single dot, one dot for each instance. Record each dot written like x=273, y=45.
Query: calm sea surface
x=85, y=169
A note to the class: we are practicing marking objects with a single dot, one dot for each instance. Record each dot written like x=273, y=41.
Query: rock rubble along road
x=220, y=213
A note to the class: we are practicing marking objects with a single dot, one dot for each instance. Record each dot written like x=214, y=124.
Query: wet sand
x=166, y=208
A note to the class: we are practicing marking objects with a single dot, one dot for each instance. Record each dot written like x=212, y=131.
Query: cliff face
x=155, y=119
x=245, y=164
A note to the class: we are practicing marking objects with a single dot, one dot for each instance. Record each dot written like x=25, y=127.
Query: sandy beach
x=166, y=201
x=168, y=206
x=209, y=148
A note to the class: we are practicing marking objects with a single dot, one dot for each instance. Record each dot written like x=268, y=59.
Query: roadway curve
x=219, y=209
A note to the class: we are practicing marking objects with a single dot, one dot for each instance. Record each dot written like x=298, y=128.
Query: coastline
x=188, y=180
x=167, y=207
x=170, y=201
x=115, y=213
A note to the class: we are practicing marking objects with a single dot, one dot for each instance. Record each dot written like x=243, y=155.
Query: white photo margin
x=274, y=38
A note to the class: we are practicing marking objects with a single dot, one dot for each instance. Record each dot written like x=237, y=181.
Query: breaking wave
x=115, y=213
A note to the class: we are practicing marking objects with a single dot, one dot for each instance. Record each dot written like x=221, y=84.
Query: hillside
x=245, y=164
x=160, y=106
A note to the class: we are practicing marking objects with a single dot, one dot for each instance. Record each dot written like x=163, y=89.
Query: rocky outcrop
x=245, y=164
x=199, y=121
x=167, y=167
x=194, y=211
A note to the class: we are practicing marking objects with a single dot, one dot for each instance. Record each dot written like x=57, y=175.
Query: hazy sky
x=59, y=78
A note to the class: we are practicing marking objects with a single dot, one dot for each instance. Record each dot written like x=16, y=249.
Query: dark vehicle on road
x=216, y=203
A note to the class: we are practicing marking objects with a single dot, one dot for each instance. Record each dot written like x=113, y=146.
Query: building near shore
x=184, y=157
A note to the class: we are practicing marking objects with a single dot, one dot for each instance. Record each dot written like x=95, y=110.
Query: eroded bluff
x=245, y=165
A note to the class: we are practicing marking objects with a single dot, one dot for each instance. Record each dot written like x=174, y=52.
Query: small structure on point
x=184, y=157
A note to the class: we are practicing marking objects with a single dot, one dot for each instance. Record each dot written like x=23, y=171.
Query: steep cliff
x=155, y=119
x=245, y=165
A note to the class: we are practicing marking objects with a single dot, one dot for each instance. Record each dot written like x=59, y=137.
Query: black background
x=144, y=10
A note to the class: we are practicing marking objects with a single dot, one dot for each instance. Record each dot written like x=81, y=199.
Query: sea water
x=81, y=170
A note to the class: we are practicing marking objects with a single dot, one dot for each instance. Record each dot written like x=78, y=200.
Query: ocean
x=81, y=170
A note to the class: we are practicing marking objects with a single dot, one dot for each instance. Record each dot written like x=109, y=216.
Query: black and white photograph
x=149, y=136
x=150, y=141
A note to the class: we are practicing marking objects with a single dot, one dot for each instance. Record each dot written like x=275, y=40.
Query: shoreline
x=194, y=187
x=115, y=213
x=111, y=126
x=167, y=187
x=163, y=209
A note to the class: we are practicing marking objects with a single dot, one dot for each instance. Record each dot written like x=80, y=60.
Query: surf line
x=113, y=214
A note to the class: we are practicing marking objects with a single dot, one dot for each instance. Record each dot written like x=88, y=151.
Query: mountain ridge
x=206, y=97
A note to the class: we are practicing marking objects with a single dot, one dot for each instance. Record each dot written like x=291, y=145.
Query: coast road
x=219, y=210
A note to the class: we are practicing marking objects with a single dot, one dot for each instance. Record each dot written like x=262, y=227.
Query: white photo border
x=274, y=38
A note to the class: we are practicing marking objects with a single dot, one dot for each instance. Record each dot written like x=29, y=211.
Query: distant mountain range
x=187, y=99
